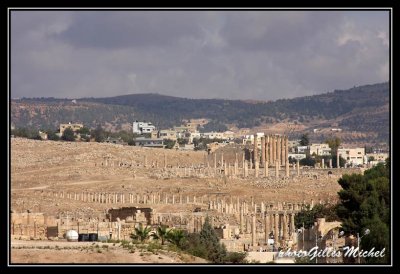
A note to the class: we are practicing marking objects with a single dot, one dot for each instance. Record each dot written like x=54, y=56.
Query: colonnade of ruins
x=274, y=149
x=225, y=205
x=274, y=153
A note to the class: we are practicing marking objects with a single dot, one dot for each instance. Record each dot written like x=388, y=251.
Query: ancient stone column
x=287, y=168
x=173, y=199
x=266, y=169
x=253, y=231
x=273, y=149
x=270, y=158
x=266, y=149
x=283, y=150
x=276, y=227
x=292, y=228
x=330, y=163
x=337, y=159
x=267, y=227
x=222, y=159
x=255, y=149
x=322, y=163
x=277, y=169
x=279, y=151
x=262, y=208
x=262, y=150
x=298, y=167
x=286, y=147
x=285, y=227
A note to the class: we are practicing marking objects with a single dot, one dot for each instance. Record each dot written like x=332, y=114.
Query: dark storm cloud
x=200, y=54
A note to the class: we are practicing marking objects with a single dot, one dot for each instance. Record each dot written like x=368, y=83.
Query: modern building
x=319, y=149
x=380, y=157
x=148, y=142
x=167, y=134
x=74, y=127
x=301, y=149
x=213, y=135
x=297, y=156
x=353, y=156
x=142, y=127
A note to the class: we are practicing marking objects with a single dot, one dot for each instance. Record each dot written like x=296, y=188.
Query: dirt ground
x=32, y=252
x=46, y=166
x=65, y=166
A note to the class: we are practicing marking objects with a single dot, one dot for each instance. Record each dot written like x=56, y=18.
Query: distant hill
x=362, y=109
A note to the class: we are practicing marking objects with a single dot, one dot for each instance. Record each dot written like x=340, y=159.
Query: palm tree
x=161, y=233
x=141, y=233
x=176, y=237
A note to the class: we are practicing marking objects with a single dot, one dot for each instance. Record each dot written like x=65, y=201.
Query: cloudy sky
x=262, y=55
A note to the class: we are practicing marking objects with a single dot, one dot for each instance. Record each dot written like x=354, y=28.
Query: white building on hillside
x=353, y=156
x=319, y=149
x=142, y=127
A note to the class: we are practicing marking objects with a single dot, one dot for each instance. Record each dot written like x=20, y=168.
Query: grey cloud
x=276, y=30
x=213, y=54
x=116, y=29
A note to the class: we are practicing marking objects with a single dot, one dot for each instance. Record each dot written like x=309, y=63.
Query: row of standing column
x=274, y=149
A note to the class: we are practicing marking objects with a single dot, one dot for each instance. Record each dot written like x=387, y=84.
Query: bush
x=68, y=135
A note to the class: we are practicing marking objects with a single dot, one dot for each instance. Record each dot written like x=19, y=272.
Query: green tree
x=333, y=143
x=342, y=161
x=125, y=136
x=83, y=131
x=131, y=143
x=98, y=134
x=51, y=135
x=308, y=216
x=194, y=246
x=161, y=233
x=182, y=141
x=235, y=257
x=304, y=140
x=141, y=233
x=308, y=161
x=176, y=237
x=208, y=237
x=214, y=125
x=169, y=143
x=371, y=158
x=364, y=203
x=68, y=135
